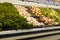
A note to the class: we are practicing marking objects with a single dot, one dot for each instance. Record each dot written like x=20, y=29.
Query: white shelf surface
x=30, y=35
x=30, y=3
x=28, y=30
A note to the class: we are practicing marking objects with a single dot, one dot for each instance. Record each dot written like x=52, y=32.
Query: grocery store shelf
x=41, y=35
x=27, y=32
x=31, y=35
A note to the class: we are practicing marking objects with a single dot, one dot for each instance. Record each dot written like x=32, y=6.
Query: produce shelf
x=45, y=31
x=28, y=33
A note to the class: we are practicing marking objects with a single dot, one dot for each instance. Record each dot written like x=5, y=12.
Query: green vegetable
x=10, y=18
x=51, y=13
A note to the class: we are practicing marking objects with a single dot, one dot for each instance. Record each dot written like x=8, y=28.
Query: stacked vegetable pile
x=48, y=16
x=52, y=14
x=23, y=11
x=10, y=18
x=40, y=16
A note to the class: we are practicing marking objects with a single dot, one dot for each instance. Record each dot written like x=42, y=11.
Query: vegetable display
x=51, y=13
x=41, y=16
x=10, y=18
x=14, y=17
x=24, y=11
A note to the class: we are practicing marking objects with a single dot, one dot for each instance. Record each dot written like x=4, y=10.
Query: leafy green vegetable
x=10, y=18
x=51, y=13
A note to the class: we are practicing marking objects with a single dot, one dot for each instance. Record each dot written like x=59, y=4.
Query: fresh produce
x=52, y=14
x=45, y=15
x=35, y=11
x=10, y=18
x=58, y=10
x=23, y=11
x=22, y=17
